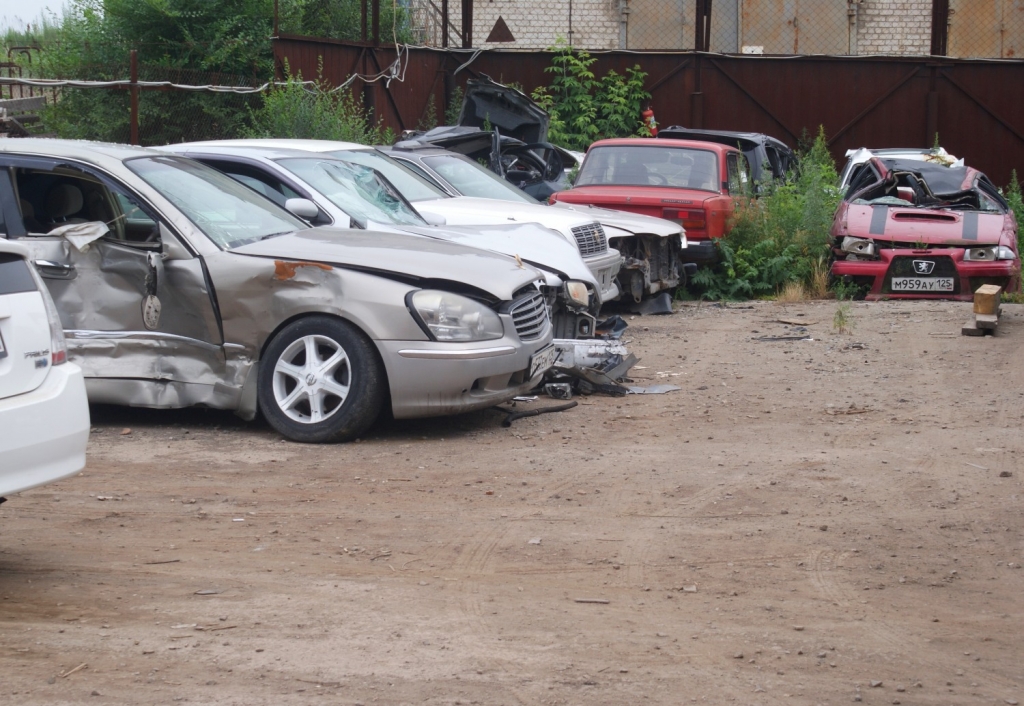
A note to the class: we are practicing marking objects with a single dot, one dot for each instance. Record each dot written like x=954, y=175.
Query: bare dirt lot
x=805, y=522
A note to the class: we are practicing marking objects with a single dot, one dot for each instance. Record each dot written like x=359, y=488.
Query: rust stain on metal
x=285, y=270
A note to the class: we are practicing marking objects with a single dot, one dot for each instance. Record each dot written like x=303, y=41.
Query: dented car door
x=134, y=300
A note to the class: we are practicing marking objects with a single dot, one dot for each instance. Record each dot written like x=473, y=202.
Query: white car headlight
x=989, y=253
x=577, y=292
x=858, y=246
x=451, y=317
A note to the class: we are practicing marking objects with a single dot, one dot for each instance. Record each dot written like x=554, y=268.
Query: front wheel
x=320, y=381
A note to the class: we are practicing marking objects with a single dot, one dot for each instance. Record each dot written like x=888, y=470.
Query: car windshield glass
x=413, y=187
x=359, y=191
x=626, y=165
x=229, y=213
x=470, y=179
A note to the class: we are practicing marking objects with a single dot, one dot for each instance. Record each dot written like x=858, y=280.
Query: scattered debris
x=653, y=389
x=658, y=305
x=165, y=561
x=852, y=409
x=795, y=322
x=986, y=311
x=772, y=339
x=208, y=592
x=83, y=665
x=514, y=414
x=974, y=465
x=603, y=601
x=535, y=540
x=1006, y=474
x=126, y=431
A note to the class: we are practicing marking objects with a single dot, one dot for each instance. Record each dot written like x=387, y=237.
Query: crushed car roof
x=941, y=179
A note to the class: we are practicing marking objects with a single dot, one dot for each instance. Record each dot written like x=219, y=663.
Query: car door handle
x=54, y=270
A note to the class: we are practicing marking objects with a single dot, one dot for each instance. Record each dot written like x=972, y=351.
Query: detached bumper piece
x=589, y=366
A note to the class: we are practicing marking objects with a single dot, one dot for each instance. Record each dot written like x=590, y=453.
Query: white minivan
x=44, y=415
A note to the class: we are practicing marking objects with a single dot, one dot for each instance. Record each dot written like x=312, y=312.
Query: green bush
x=583, y=108
x=301, y=111
x=780, y=237
x=1016, y=201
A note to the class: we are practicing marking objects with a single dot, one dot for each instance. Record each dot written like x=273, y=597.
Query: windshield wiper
x=274, y=235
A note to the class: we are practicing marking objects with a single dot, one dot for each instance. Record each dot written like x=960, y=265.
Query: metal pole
x=444, y=23
x=133, y=91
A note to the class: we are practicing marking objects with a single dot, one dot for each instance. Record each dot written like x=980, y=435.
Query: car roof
x=695, y=134
x=304, y=145
x=419, y=151
x=270, y=153
x=84, y=150
x=666, y=142
x=941, y=179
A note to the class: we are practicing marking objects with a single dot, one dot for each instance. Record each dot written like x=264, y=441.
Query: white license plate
x=542, y=360
x=922, y=284
x=3, y=350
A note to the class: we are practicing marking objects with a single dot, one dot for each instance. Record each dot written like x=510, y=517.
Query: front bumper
x=431, y=379
x=605, y=267
x=875, y=276
x=43, y=433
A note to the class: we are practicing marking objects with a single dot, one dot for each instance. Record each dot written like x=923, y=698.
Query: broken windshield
x=359, y=191
x=227, y=212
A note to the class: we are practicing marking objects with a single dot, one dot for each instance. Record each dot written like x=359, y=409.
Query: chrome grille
x=530, y=315
x=591, y=239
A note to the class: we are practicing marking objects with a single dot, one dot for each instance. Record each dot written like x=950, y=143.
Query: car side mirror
x=433, y=219
x=303, y=208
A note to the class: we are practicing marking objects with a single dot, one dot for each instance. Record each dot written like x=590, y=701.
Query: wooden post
x=444, y=23
x=940, y=27
x=133, y=90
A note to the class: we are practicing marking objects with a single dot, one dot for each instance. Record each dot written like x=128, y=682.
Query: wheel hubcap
x=312, y=378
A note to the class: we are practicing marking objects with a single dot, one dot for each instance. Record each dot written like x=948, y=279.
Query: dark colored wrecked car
x=515, y=147
x=914, y=229
x=768, y=157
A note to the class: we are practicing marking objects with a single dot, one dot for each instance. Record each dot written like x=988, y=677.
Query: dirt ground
x=805, y=522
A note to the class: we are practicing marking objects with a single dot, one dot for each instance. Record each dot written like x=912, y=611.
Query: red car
x=692, y=183
x=912, y=229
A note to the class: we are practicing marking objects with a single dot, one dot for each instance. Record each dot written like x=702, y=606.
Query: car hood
x=509, y=110
x=532, y=244
x=614, y=196
x=467, y=210
x=923, y=225
x=398, y=254
x=631, y=223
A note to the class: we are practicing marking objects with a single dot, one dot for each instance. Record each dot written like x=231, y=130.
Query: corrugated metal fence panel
x=860, y=101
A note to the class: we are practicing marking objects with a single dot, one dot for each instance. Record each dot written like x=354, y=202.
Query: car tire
x=320, y=381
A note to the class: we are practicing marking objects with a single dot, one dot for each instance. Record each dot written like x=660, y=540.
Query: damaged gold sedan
x=177, y=286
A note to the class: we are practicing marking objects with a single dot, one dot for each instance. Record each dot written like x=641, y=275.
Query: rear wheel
x=320, y=381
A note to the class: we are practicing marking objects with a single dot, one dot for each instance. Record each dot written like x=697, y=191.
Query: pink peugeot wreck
x=912, y=229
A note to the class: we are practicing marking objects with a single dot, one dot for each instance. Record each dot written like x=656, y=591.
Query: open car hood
x=408, y=257
x=511, y=111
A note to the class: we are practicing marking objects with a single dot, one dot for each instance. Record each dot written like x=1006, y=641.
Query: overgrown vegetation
x=1016, y=201
x=781, y=238
x=583, y=107
x=342, y=19
x=301, y=111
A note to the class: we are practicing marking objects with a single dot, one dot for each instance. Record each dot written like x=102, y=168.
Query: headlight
x=451, y=317
x=577, y=292
x=858, y=246
x=988, y=254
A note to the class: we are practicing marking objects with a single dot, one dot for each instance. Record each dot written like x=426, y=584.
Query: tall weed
x=296, y=110
x=780, y=237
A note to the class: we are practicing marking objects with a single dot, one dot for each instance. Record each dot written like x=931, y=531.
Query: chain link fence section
x=993, y=29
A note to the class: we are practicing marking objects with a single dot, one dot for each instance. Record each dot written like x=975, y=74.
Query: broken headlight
x=451, y=317
x=577, y=293
x=989, y=254
x=858, y=246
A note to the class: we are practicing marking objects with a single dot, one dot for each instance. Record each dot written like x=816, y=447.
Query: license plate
x=3, y=349
x=542, y=360
x=922, y=284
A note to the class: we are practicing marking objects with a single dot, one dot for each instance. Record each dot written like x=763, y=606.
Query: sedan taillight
x=58, y=344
